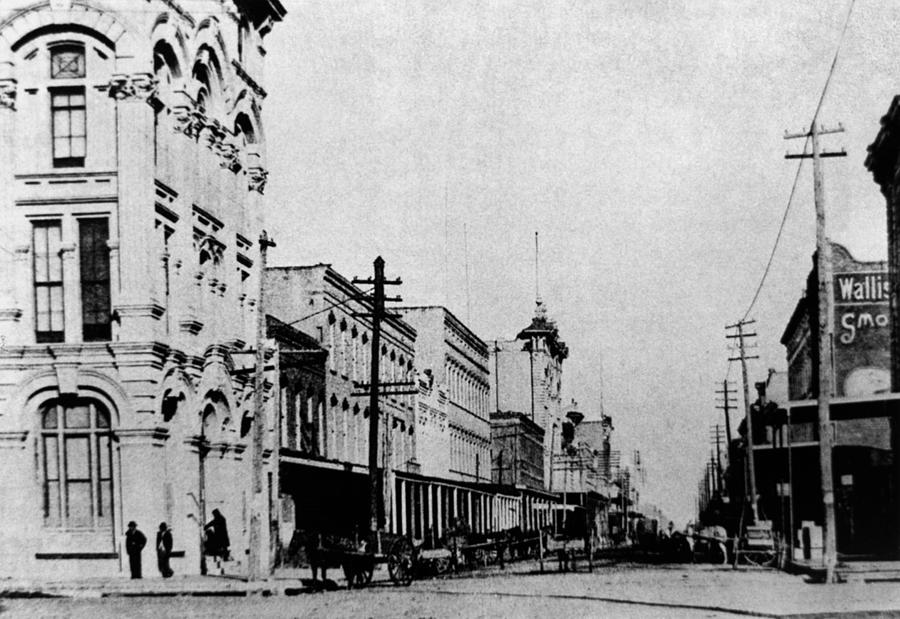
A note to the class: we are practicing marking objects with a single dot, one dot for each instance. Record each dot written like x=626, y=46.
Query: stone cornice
x=154, y=435
x=152, y=310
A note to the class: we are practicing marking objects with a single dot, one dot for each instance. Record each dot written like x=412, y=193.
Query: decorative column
x=138, y=310
x=10, y=301
x=71, y=294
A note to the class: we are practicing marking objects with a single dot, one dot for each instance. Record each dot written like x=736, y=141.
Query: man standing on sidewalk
x=164, y=550
x=134, y=544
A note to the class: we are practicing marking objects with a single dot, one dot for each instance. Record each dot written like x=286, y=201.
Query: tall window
x=77, y=465
x=67, y=105
x=48, y=284
x=95, y=305
x=69, y=127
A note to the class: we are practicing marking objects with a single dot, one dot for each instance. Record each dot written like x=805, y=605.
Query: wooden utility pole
x=727, y=404
x=378, y=484
x=825, y=326
x=258, y=497
x=717, y=437
x=743, y=358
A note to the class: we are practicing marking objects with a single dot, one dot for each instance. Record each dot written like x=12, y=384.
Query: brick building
x=323, y=303
x=133, y=165
x=863, y=458
x=517, y=451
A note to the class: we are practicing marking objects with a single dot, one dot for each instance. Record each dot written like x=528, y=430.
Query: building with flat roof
x=336, y=313
x=452, y=356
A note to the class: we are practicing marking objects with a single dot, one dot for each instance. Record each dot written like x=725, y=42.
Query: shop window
x=48, y=282
x=76, y=458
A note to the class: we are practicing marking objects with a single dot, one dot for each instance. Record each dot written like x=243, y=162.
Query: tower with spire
x=528, y=374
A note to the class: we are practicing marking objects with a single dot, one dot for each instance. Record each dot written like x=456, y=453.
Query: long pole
x=726, y=407
x=377, y=313
x=718, y=458
x=825, y=324
x=826, y=329
x=258, y=499
x=749, y=467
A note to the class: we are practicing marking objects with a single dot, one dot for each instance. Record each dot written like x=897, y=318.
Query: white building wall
x=170, y=357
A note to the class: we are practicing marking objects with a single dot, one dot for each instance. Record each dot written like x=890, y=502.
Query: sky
x=643, y=140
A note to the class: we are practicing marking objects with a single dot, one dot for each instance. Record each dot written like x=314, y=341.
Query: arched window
x=67, y=104
x=76, y=462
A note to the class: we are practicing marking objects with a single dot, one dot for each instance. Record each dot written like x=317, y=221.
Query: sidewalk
x=198, y=586
x=285, y=581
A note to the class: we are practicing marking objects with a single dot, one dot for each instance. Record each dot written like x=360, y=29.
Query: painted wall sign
x=861, y=332
x=861, y=305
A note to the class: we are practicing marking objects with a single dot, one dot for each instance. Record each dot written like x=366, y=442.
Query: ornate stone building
x=132, y=165
x=527, y=378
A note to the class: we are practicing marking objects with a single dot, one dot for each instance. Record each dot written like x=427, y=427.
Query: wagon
x=568, y=535
x=757, y=546
x=359, y=563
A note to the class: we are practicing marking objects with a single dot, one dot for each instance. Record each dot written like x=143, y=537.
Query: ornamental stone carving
x=188, y=120
x=229, y=154
x=133, y=87
x=213, y=133
x=8, y=95
x=257, y=179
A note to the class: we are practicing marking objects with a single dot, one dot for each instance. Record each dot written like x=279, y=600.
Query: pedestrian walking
x=217, y=541
x=134, y=544
x=164, y=550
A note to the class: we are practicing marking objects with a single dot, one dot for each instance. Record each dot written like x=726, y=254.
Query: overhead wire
x=796, y=182
x=790, y=201
x=356, y=297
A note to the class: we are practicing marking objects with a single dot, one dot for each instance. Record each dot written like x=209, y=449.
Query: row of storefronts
x=134, y=305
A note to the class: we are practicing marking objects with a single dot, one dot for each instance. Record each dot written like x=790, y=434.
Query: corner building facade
x=132, y=170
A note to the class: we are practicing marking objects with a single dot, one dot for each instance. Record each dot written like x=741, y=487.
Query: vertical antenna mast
x=537, y=274
x=466, y=260
x=446, y=249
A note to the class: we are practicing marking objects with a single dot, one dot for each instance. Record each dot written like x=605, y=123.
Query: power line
x=790, y=201
x=356, y=297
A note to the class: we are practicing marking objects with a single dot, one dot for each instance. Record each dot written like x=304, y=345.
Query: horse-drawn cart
x=358, y=561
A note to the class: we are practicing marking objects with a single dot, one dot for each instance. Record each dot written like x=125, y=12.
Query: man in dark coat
x=164, y=550
x=217, y=541
x=134, y=544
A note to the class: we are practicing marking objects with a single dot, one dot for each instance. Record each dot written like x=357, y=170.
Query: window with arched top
x=67, y=104
x=76, y=464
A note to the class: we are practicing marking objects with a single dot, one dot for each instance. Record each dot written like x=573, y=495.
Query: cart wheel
x=400, y=562
x=759, y=558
